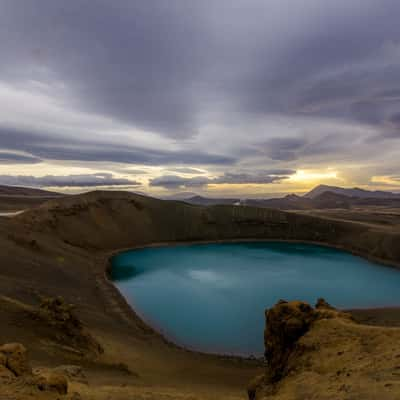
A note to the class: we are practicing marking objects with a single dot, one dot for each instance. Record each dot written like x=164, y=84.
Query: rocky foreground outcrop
x=60, y=328
x=321, y=353
x=67, y=328
x=19, y=381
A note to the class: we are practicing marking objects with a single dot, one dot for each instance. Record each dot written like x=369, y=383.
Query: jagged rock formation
x=67, y=328
x=18, y=381
x=321, y=353
x=285, y=324
x=53, y=381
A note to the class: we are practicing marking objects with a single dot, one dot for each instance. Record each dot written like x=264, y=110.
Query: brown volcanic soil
x=61, y=249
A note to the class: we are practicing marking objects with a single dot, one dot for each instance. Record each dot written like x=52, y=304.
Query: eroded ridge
x=320, y=352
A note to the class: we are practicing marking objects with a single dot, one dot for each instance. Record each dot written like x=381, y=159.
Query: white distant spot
x=11, y=213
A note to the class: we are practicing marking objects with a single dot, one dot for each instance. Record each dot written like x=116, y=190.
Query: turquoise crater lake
x=212, y=297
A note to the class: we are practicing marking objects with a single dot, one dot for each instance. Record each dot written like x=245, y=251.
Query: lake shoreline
x=126, y=307
x=364, y=255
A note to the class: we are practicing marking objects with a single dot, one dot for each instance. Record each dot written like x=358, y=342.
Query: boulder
x=16, y=358
x=72, y=372
x=53, y=382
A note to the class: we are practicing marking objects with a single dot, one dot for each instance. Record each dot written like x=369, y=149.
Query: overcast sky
x=220, y=97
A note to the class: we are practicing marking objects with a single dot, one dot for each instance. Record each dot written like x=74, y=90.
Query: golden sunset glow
x=386, y=180
x=313, y=176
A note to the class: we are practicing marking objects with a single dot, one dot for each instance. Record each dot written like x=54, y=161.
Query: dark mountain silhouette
x=208, y=201
x=354, y=192
x=6, y=190
x=321, y=197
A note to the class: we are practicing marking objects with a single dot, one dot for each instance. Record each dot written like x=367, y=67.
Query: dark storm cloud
x=394, y=121
x=339, y=145
x=175, y=181
x=131, y=60
x=154, y=63
x=81, y=180
x=284, y=149
x=260, y=178
x=56, y=147
x=343, y=67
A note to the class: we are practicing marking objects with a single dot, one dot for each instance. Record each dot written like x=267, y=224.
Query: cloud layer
x=266, y=177
x=225, y=86
x=90, y=180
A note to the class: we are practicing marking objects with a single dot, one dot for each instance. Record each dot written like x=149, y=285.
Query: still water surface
x=212, y=297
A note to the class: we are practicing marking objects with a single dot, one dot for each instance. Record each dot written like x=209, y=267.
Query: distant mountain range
x=179, y=196
x=24, y=191
x=354, y=192
x=209, y=201
x=321, y=197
